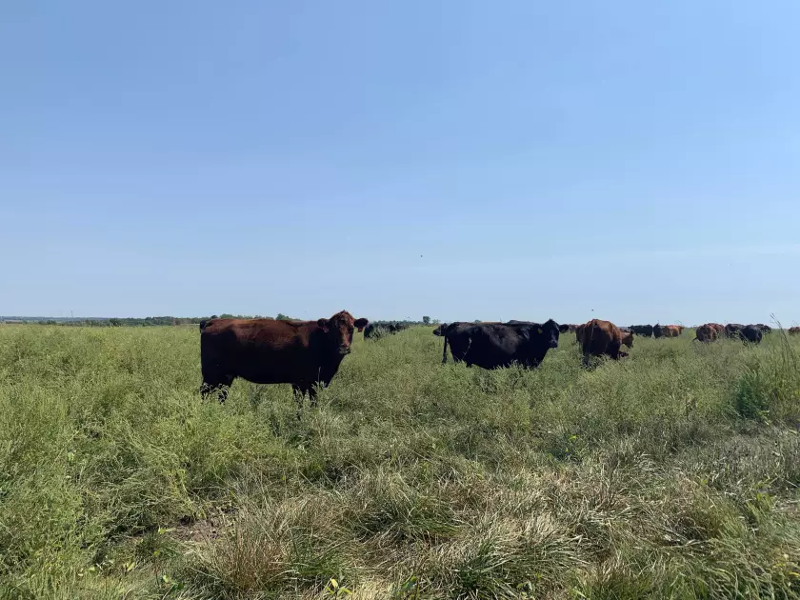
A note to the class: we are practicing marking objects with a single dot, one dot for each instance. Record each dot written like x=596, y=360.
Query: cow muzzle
x=553, y=343
x=344, y=350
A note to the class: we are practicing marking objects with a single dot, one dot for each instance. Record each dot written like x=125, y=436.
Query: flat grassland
x=672, y=474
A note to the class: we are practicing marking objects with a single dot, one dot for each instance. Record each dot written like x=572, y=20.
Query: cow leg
x=220, y=386
x=299, y=391
x=613, y=350
x=312, y=395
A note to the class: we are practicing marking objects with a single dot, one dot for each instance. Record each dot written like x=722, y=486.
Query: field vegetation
x=672, y=474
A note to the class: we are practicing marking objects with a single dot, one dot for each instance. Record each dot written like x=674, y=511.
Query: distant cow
x=643, y=330
x=492, y=345
x=794, y=330
x=751, y=333
x=709, y=332
x=627, y=337
x=302, y=353
x=439, y=331
x=375, y=330
x=602, y=338
x=764, y=328
x=667, y=331
x=733, y=329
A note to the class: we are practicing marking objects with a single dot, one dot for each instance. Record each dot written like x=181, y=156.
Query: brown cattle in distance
x=301, y=353
x=709, y=332
x=794, y=330
x=627, y=337
x=667, y=331
x=601, y=338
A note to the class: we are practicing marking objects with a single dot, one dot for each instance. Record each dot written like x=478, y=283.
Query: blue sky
x=628, y=160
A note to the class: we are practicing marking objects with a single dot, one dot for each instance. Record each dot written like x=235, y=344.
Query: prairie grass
x=672, y=474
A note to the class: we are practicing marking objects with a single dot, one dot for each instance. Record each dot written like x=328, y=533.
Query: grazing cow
x=643, y=330
x=751, y=333
x=492, y=345
x=627, y=337
x=601, y=338
x=376, y=330
x=302, y=353
x=709, y=332
x=794, y=330
x=733, y=329
x=667, y=331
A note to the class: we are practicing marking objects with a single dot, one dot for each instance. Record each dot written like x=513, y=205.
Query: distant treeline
x=133, y=322
x=145, y=322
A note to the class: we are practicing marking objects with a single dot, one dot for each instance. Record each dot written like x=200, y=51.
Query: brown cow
x=669, y=331
x=627, y=337
x=794, y=330
x=709, y=332
x=601, y=338
x=302, y=353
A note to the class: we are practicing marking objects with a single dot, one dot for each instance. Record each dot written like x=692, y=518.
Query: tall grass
x=672, y=474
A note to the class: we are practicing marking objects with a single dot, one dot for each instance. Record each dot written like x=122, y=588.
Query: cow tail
x=595, y=327
x=444, y=352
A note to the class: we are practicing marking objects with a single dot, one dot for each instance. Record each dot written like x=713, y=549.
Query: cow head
x=627, y=338
x=339, y=329
x=550, y=331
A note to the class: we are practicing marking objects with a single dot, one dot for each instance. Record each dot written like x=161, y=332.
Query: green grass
x=672, y=474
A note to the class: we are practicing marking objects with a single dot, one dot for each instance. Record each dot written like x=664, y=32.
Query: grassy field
x=673, y=474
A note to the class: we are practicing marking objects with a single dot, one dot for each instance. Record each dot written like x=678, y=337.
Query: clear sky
x=635, y=161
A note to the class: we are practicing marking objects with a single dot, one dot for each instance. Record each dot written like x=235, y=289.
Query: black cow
x=377, y=330
x=492, y=345
x=751, y=333
x=733, y=330
x=643, y=330
x=764, y=328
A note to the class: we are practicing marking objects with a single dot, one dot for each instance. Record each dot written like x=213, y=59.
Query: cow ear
x=361, y=323
x=323, y=323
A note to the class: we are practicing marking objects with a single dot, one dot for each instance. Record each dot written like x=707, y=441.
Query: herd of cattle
x=382, y=328
x=308, y=353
